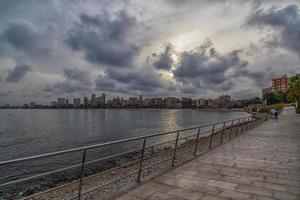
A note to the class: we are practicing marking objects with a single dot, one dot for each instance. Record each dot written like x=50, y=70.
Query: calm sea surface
x=31, y=132
x=37, y=131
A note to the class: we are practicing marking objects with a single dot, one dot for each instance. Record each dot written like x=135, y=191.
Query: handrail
x=105, y=144
x=246, y=123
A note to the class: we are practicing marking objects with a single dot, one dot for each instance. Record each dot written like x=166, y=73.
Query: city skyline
x=131, y=48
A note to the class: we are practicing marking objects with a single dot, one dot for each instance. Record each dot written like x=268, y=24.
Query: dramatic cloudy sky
x=195, y=48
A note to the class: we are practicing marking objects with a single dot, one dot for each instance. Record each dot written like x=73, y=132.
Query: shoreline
x=187, y=108
x=95, y=176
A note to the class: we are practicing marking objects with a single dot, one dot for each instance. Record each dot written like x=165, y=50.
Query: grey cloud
x=260, y=78
x=25, y=38
x=207, y=68
x=103, y=83
x=75, y=80
x=104, y=40
x=133, y=81
x=65, y=87
x=164, y=60
x=78, y=75
x=17, y=73
x=284, y=21
x=137, y=78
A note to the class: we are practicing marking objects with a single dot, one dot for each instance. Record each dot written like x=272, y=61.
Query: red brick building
x=280, y=83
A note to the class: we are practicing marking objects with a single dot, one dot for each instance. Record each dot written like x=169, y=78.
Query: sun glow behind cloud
x=122, y=45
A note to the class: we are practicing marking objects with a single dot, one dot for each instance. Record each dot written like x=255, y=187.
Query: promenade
x=262, y=164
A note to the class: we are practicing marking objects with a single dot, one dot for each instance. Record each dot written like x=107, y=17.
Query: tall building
x=67, y=103
x=76, y=102
x=93, y=101
x=61, y=102
x=86, y=102
x=103, y=98
x=280, y=83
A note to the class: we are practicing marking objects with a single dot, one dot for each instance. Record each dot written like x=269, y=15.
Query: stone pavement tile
x=222, y=184
x=258, y=173
x=252, y=166
x=286, y=196
x=187, y=194
x=254, y=190
x=141, y=192
x=235, y=195
x=211, y=197
x=282, y=181
x=163, y=196
x=232, y=171
x=294, y=190
x=192, y=185
x=289, y=176
x=200, y=174
x=128, y=197
x=238, y=180
x=276, y=170
x=198, y=179
x=270, y=186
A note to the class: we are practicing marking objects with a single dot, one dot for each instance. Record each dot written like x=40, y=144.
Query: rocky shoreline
x=116, y=168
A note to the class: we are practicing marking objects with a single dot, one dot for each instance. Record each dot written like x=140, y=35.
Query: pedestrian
x=275, y=113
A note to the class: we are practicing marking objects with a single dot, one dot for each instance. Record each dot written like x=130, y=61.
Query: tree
x=294, y=89
x=275, y=97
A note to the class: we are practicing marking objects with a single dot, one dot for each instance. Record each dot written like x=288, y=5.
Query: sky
x=192, y=48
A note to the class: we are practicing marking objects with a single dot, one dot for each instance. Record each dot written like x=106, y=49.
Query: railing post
x=196, y=145
x=222, y=134
x=152, y=150
x=81, y=174
x=243, y=125
x=237, y=128
x=141, y=161
x=211, y=136
x=175, y=149
x=231, y=129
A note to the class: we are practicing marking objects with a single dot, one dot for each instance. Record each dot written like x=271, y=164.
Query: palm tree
x=294, y=89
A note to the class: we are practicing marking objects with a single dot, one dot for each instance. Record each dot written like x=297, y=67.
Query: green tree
x=294, y=89
x=276, y=97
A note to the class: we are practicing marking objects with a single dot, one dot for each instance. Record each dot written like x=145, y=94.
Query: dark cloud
x=137, y=79
x=286, y=25
x=104, y=39
x=133, y=81
x=206, y=68
x=260, y=78
x=104, y=83
x=75, y=80
x=24, y=37
x=65, y=87
x=164, y=60
x=78, y=75
x=17, y=73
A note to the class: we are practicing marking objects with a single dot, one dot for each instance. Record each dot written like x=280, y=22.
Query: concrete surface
x=262, y=164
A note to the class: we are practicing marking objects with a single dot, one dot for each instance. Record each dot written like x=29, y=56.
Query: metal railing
x=178, y=143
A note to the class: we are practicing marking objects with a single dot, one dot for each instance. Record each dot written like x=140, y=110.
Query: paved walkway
x=262, y=164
